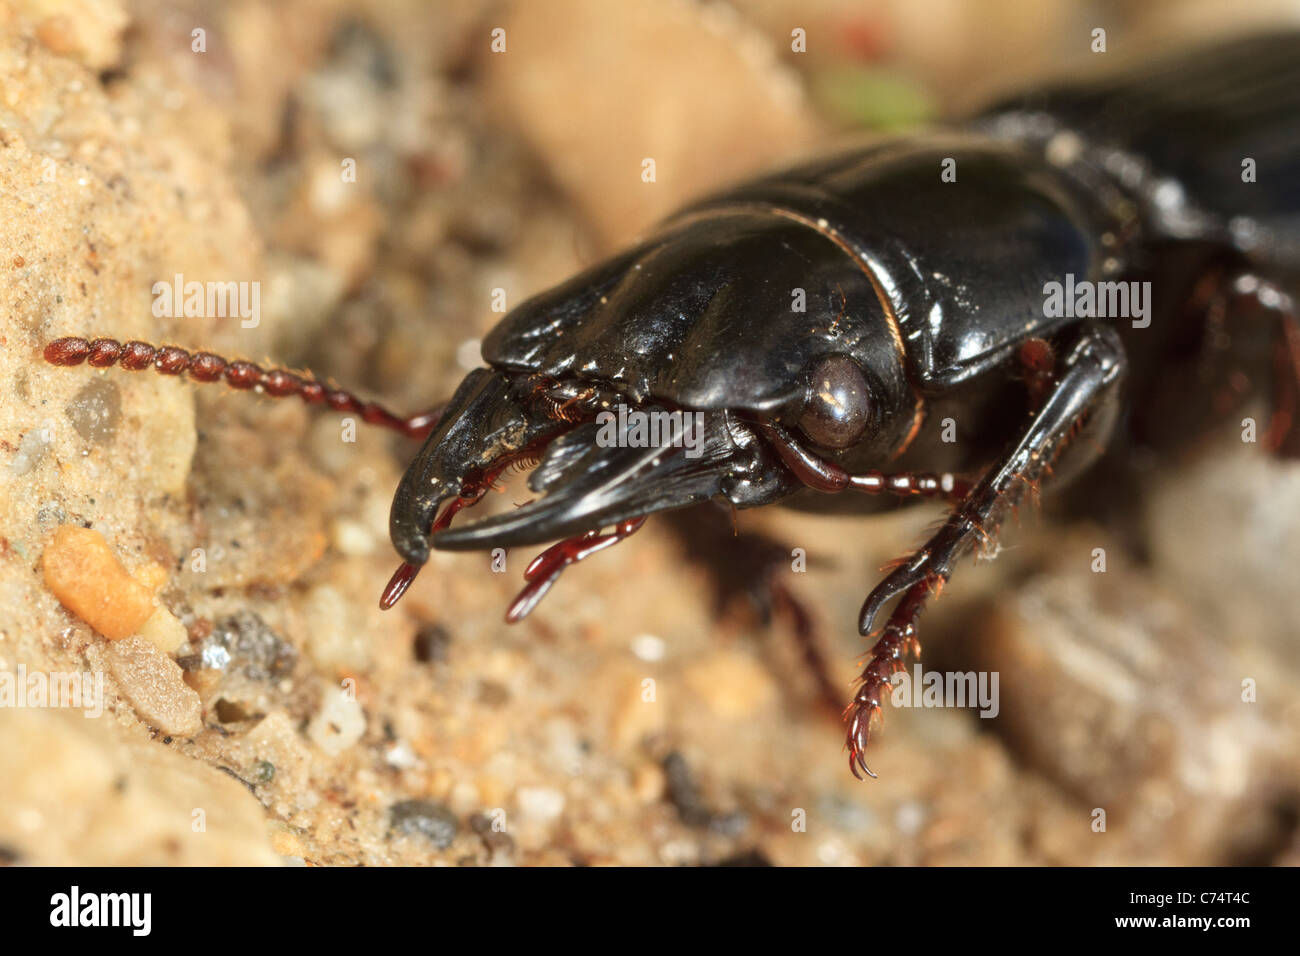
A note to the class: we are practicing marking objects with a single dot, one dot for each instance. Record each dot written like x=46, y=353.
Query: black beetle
x=819, y=326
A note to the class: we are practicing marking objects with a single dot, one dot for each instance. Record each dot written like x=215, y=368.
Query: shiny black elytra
x=923, y=308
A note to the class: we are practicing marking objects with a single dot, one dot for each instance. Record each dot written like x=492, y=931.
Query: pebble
x=335, y=637
x=244, y=640
x=31, y=449
x=540, y=804
x=353, y=538
x=87, y=31
x=426, y=818
x=154, y=685
x=339, y=723
x=431, y=644
x=728, y=114
x=85, y=575
x=648, y=648
x=909, y=817
x=649, y=783
x=400, y=756
x=469, y=354
x=50, y=516
x=96, y=410
x=164, y=631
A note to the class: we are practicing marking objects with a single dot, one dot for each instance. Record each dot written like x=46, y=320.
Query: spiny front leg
x=1084, y=392
x=897, y=641
x=828, y=477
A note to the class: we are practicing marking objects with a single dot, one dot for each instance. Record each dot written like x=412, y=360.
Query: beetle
x=924, y=265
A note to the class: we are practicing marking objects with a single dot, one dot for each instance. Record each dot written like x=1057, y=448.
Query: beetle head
x=638, y=385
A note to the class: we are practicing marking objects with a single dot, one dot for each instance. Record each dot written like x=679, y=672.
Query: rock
x=734, y=110
x=1246, y=546
x=339, y=723
x=638, y=712
x=540, y=804
x=87, y=796
x=425, y=818
x=31, y=451
x=1116, y=692
x=96, y=410
x=89, y=31
x=164, y=631
x=168, y=436
x=432, y=644
x=334, y=636
x=684, y=793
x=85, y=575
x=155, y=686
x=244, y=644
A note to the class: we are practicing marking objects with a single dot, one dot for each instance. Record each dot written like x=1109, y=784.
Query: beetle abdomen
x=1207, y=141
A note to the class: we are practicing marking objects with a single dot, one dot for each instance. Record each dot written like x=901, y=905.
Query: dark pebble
x=431, y=644
x=426, y=818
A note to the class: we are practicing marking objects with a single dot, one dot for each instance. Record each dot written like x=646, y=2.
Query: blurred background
x=500, y=146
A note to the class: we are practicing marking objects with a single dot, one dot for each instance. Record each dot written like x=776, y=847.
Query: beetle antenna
x=137, y=356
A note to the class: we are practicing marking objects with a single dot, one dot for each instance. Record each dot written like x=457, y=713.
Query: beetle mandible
x=925, y=294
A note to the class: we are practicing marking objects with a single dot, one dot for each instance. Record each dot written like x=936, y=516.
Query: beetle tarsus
x=896, y=642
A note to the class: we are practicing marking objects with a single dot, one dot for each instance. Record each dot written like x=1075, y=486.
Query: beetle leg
x=1037, y=364
x=805, y=635
x=547, y=567
x=1085, y=390
x=897, y=640
x=748, y=569
x=1283, y=435
x=1235, y=327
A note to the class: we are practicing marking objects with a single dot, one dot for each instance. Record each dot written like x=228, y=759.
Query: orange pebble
x=88, y=579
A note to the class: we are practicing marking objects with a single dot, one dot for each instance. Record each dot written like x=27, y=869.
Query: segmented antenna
x=137, y=356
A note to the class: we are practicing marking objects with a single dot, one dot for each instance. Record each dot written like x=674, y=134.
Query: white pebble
x=401, y=756
x=909, y=817
x=647, y=647
x=338, y=724
x=353, y=538
x=540, y=804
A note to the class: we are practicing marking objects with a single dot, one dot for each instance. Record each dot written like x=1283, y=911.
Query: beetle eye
x=838, y=408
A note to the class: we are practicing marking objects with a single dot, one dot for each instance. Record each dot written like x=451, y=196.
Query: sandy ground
x=269, y=712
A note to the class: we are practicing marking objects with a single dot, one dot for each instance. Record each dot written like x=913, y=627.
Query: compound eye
x=838, y=409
